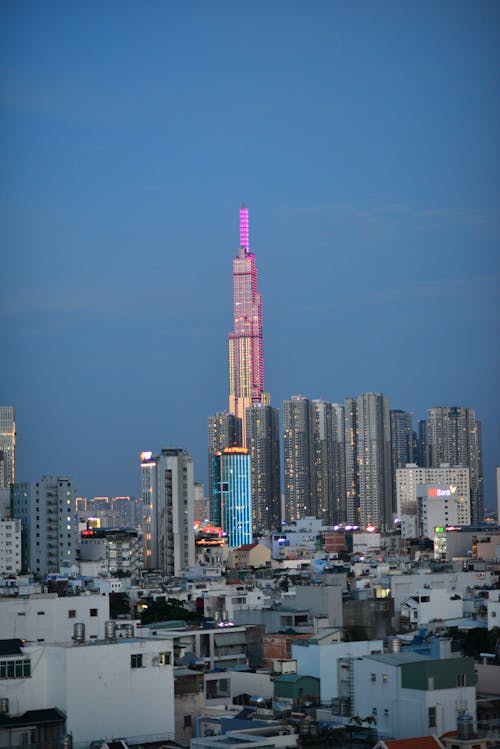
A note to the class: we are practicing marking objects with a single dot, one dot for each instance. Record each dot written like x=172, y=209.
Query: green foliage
x=355, y=634
x=164, y=611
x=118, y=604
x=478, y=640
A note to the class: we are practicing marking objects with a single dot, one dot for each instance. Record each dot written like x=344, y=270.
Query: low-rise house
x=427, y=605
x=249, y=555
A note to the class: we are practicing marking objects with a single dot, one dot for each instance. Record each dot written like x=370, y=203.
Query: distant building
x=453, y=436
x=298, y=458
x=224, y=430
x=249, y=555
x=120, y=549
x=10, y=546
x=232, y=500
x=263, y=443
x=46, y=509
x=401, y=445
x=168, y=503
x=409, y=478
x=436, y=506
x=7, y=446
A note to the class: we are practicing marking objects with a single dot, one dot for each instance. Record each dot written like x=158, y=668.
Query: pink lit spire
x=244, y=231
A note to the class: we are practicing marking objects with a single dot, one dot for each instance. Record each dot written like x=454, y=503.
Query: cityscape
x=288, y=534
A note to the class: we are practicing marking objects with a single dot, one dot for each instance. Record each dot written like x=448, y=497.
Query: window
x=187, y=721
x=40, y=613
x=460, y=680
x=93, y=612
x=136, y=660
x=385, y=677
x=164, y=659
x=374, y=711
x=72, y=614
x=373, y=677
x=432, y=717
x=15, y=669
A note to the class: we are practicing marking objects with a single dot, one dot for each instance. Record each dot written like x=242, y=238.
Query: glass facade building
x=232, y=503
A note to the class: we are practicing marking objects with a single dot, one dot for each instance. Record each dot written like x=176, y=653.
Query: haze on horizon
x=364, y=141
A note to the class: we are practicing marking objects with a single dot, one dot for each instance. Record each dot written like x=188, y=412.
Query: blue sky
x=363, y=138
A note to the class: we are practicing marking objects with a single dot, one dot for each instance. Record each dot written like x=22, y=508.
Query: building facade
x=7, y=446
x=232, y=501
x=262, y=440
x=246, y=363
x=46, y=509
x=168, y=504
x=298, y=458
x=409, y=478
x=10, y=546
x=401, y=444
x=224, y=430
x=453, y=436
x=368, y=460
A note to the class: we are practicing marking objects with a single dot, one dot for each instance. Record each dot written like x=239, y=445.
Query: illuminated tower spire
x=246, y=366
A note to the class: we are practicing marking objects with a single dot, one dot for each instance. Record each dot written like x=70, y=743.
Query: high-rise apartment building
x=298, y=458
x=453, y=436
x=246, y=364
x=368, y=460
x=224, y=430
x=401, y=444
x=411, y=476
x=46, y=509
x=168, y=504
x=232, y=495
x=7, y=446
x=262, y=439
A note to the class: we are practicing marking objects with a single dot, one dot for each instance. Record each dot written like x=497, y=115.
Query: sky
x=364, y=139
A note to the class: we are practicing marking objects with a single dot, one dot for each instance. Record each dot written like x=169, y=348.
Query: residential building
x=368, y=460
x=246, y=363
x=46, y=509
x=232, y=500
x=298, y=458
x=453, y=436
x=429, y=604
x=10, y=546
x=7, y=446
x=263, y=443
x=168, y=503
x=121, y=549
x=413, y=695
x=401, y=444
x=249, y=555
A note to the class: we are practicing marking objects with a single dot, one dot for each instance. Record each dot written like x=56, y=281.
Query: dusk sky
x=363, y=137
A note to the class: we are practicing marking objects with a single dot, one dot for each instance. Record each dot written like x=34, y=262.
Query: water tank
x=68, y=741
x=4, y=706
x=394, y=645
x=465, y=726
x=129, y=630
x=79, y=632
x=109, y=630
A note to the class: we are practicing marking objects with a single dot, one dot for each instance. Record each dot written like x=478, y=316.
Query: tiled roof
x=420, y=742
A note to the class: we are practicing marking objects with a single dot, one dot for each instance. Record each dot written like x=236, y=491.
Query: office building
x=7, y=446
x=168, y=504
x=246, y=364
x=262, y=440
x=46, y=509
x=453, y=436
x=368, y=460
x=224, y=430
x=409, y=478
x=232, y=495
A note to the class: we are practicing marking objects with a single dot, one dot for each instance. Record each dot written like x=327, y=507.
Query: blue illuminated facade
x=232, y=499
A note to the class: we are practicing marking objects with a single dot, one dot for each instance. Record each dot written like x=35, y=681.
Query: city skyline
x=363, y=141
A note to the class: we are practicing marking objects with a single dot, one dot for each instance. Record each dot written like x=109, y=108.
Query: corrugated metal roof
x=398, y=659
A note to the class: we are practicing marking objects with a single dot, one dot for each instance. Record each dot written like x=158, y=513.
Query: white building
x=47, y=617
x=427, y=605
x=328, y=659
x=106, y=689
x=493, y=608
x=168, y=500
x=436, y=506
x=47, y=512
x=410, y=477
x=413, y=695
x=10, y=546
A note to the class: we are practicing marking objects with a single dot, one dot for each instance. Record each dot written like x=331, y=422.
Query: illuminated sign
x=436, y=492
x=146, y=455
x=439, y=529
x=235, y=451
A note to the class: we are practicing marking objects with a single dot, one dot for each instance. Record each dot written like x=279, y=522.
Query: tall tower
x=263, y=442
x=246, y=365
x=453, y=436
x=368, y=460
x=168, y=504
x=401, y=445
x=298, y=458
x=7, y=446
x=232, y=494
x=224, y=430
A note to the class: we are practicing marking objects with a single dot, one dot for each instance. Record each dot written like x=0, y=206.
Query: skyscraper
x=168, y=503
x=401, y=445
x=263, y=442
x=453, y=436
x=46, y=509
x=224, y=430
x=368, y=460
x=298, y=458
x=232, y=495
x=246, y=364
x=7, y=446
